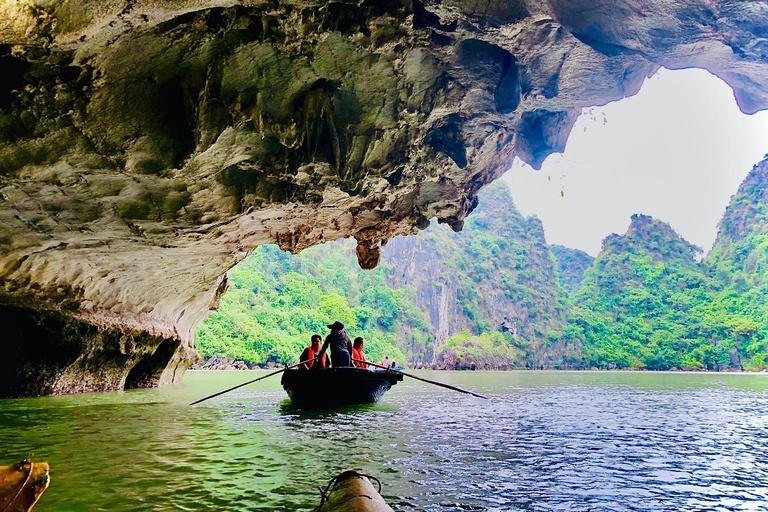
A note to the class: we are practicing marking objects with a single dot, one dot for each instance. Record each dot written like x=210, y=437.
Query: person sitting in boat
x=357, y=353
x=385, y=362
x=311, y=355
x=340, y=344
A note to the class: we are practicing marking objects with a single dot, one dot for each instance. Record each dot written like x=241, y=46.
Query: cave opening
x=692, y=148
x=677, y=151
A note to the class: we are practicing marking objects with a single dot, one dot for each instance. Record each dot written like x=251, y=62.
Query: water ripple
x=544, y=442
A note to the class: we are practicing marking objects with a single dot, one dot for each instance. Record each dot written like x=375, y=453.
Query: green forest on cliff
x=497, y=296
x=276, y=301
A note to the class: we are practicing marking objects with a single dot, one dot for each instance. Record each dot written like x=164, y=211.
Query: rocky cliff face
x=146, y=147
x=495, y=276
x=420, y=262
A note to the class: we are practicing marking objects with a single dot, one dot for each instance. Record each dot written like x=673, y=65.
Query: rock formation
x=495, y=276
x=738, y=264
x=146, y=147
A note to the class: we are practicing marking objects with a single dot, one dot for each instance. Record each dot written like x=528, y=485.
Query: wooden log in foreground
x=22, y=484
x=353, y=492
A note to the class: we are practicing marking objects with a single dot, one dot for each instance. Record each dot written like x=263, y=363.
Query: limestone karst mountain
x=738, y=265
x=641, y=302
x=145, y=147
x=571, y=266
x=496, y=276
x=743, y=231
x=647, y=303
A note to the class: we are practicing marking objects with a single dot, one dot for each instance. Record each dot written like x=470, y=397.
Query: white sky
x=677, y=151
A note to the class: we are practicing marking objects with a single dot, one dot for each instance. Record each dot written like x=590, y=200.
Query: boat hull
x=337, y=386
x=22, y=484
x=353, y=492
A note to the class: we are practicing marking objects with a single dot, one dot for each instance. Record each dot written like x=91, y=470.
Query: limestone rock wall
x=146, y=147
x=495, y=276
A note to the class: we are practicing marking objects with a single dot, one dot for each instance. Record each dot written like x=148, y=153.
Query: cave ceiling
x=148, y=146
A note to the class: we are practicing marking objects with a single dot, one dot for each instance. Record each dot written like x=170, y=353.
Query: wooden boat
x=337, y=386
x=22, y=484
x=352, y=492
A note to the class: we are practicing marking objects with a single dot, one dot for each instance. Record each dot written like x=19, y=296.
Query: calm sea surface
x=565, y=441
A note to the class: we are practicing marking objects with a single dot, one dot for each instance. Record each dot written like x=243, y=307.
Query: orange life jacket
x=357, y=353
x=311, y=357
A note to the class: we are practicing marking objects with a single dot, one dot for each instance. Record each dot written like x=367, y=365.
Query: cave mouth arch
x=667, y=87
x=118, y=222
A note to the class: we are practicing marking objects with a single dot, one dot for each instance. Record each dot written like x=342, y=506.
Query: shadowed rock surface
x=146, y=147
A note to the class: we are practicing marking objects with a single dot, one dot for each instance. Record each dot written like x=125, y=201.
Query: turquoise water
x=576, y=441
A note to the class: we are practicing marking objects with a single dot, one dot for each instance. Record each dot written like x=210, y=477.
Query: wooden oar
x=251, y=381
x=422, y=379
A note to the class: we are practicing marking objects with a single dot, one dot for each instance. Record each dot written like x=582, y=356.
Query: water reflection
x=546, y=441
x=287, y=408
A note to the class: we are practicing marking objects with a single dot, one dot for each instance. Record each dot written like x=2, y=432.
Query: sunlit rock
x=146, y=147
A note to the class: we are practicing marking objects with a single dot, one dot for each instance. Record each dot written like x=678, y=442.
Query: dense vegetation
x=571, y=266
x=645, y=304
x=277, y=301
x=738, y=265
x=495, y=295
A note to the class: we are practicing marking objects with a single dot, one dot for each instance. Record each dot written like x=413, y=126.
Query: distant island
x=496, y=296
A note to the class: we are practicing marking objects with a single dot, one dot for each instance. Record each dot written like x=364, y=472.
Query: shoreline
x=553, y=370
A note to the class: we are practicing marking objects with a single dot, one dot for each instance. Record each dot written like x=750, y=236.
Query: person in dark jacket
x=340, y=345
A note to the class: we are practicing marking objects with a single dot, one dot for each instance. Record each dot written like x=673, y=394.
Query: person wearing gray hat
x=340, y=345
